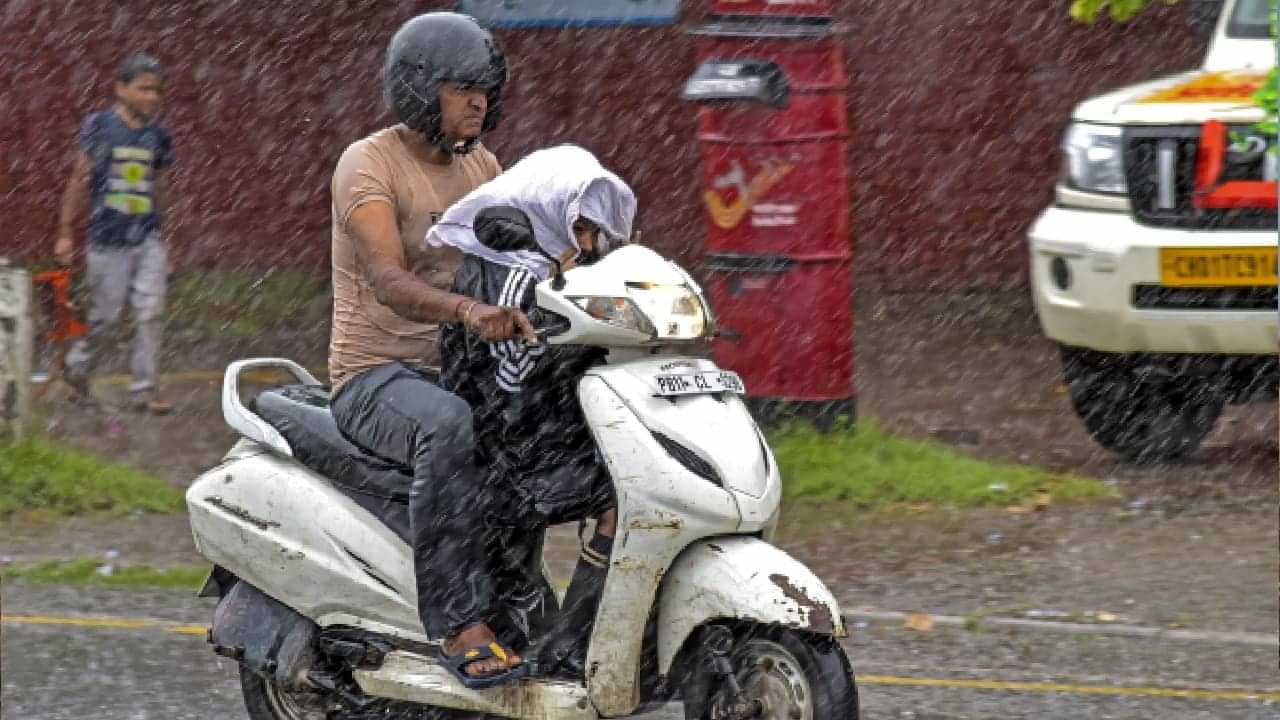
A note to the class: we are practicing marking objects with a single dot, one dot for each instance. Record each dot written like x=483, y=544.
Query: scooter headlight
x=676, y=311
x=663, y=312
x=617, y=311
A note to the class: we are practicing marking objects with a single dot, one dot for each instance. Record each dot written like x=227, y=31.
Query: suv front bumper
x=1107, y=254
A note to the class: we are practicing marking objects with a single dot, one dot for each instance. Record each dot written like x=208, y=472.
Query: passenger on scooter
x=533, y=438
x=443, y=77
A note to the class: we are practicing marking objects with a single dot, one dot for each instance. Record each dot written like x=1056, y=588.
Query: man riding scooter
x=609, y=415
x=443, y=77
x=533, y=438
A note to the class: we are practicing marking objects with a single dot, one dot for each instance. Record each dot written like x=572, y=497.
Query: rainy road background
x=1192, y=545
x=153, y=674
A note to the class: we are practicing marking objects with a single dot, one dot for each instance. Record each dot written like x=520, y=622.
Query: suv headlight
x=663, y=312
x=1094, y=158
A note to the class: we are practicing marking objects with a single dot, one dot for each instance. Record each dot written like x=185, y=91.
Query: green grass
x=40, y=476
x=243, y=304
x=868, y=468
x=90, y=571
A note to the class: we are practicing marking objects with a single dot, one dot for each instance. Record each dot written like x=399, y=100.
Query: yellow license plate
x=1217, y=266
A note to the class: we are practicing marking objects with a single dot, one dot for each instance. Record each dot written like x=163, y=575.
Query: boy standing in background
x=122, y=165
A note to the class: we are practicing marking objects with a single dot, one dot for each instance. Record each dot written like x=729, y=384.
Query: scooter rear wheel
x=265, y=700
x=782, y=674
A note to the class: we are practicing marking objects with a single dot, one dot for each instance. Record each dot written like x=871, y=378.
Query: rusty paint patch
x=294, y=554
x=642, y=524
x=241, y=513
x=820, y=619
x=629, y=563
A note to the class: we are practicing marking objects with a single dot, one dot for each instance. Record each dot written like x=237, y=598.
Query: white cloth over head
x=553, y=187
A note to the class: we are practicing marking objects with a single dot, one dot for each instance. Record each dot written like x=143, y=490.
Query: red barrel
x=775, y=180
x=776, y=196
x=775, y=189
x=785, y=324
x=809, y=53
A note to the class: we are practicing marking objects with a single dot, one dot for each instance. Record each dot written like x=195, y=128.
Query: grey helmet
x=430, y=50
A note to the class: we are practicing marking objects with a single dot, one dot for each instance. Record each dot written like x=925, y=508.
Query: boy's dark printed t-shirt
x=123, y=164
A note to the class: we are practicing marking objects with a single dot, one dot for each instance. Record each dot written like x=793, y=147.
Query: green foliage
x=869, y=468
x=1088, y=11
x=40, y=476
x=1265, y=98
x=241, y=304
x=89, y=571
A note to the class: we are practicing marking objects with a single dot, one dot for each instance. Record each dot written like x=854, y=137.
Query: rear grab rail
x=240, y=418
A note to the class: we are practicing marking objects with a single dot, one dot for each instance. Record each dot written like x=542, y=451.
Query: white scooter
x=318, y=599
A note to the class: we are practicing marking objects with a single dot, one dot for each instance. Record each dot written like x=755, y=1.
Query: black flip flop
x=456, y=665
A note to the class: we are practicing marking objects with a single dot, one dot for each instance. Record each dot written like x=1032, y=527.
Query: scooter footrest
x=420, y=679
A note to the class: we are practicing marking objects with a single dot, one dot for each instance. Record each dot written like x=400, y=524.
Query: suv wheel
x=1142, y=411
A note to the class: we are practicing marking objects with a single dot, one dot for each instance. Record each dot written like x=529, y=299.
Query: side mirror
x=504, y=228
x=761, y=81
x=1204, y=17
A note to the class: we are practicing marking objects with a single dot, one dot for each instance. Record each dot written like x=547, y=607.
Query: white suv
x=1164, y=302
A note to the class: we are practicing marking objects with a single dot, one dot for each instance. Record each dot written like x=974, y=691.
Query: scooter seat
x=301, y=414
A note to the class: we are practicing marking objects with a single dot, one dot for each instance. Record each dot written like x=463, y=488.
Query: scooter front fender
x=740, y=578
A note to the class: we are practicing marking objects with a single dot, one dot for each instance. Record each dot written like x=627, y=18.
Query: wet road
x=163, y=671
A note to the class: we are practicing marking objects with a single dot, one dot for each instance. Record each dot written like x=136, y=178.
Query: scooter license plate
x=699, y=383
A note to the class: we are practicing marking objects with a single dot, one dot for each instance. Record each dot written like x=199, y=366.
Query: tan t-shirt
x=382, y=168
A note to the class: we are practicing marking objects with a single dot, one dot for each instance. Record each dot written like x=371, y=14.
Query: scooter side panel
x=287, y=531
x=742, y=578
x=662, y=507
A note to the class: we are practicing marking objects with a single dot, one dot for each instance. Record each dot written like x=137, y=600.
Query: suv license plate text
x=1217, y=266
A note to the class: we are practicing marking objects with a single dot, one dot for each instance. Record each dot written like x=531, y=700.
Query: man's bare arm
x=72, y=200
x=377, y=243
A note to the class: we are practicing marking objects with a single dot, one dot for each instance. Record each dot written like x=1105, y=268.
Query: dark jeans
x=396, y=413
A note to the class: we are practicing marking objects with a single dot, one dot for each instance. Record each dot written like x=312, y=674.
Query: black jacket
x=531, y=434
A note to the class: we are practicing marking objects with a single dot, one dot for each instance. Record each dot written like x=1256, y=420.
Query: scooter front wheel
x=780, y=675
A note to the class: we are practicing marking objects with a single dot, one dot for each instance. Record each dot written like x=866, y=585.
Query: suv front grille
x=1157, y=297
x=1172, y=206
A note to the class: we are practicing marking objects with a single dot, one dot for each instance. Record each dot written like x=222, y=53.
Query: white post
x=15, y=349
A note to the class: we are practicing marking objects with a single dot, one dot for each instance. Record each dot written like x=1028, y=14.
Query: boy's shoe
x=80, y=394
x=149, y=401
